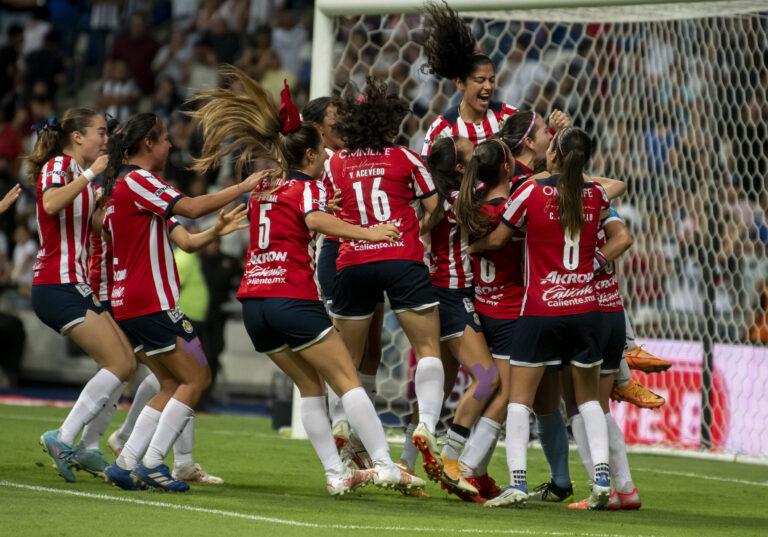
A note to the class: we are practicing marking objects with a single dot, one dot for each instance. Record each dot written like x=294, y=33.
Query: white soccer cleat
x=194, y=473
x=354, y=451
x=391, y=476
x=509, y=497
x=115, y=443
x=598, y=499
x=348, y=481
x=425, y=442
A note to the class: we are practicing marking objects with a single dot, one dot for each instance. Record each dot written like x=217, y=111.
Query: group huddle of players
x=493, y=248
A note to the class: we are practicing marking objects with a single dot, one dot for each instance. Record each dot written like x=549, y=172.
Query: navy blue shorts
x=156, y=333
x=326, y=268
x=359, y=288
x=500, y=335
x=614, y=339
x=63, y=306
x=558, y=340
x=278, y=323
x=457, y=311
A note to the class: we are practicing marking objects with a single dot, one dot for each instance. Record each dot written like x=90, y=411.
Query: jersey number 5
x=264, y=225
x=379, y=202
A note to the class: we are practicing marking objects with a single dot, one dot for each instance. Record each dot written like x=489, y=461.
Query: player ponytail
x=372, y=119
x=516, y=129
x=125, y=142
x=573, y=149
x=486, y=166
x=449, y=45
x=249, y=124
x=442, y=163
x=53, y=135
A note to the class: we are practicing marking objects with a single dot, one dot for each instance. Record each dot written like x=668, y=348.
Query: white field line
x=705, y=477
x=297, y=523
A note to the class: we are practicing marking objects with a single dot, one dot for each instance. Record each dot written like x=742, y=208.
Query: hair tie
x=361, y=99
x=48, y=124
x=290, y=120
x=527, y=131
x=560, y=140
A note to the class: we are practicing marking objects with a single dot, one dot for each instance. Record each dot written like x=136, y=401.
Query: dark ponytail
x=574, y=148
x=516, y=129
x=442, y=162
x=126, y=142
x=484, y=166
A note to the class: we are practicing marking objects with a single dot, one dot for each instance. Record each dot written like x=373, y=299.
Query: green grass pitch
x=275, y=486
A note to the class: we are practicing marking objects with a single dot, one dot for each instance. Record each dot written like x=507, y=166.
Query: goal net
x=675, y=97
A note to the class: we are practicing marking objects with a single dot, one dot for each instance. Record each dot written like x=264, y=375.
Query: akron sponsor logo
x=556, y=278
x=267, y=257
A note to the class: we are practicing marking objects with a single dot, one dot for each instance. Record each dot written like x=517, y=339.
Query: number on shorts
x=379, y=202
x=264, y=225
x=487, y=270
x=571, y=251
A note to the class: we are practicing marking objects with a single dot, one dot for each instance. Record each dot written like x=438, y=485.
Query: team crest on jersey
x=187, y=326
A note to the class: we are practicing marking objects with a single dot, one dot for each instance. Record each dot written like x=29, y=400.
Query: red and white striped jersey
x=451, y=124
x=330, y=188
x=377, y=187
x=281, y=258
x=606, y=281
x=559, y=271
x=449, y=264
x=145, y=277
x=63, y=254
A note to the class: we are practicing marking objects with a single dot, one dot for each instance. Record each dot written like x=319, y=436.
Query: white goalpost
x=675, y=96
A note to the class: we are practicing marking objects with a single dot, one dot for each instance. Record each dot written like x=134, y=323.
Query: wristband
x=89, y=174
x=600, y=261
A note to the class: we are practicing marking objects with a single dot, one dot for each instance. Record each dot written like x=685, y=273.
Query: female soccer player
x=145, y=292
x=281, y=307
x=452, y=53
x=559, y=318
x=67, y=157
x=378, y=181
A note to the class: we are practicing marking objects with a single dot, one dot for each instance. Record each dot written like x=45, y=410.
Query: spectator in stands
x=45, y=64
x=288, y=40
x=166, y=99
x=226, y=43
x=118, y=92
x=24, y=256
x=203, y=70
x=9, y=57
x=105, y=20
x=172, y=60
x=10, y=140
x=258, y=44
x=138, y=48
x=273, y=74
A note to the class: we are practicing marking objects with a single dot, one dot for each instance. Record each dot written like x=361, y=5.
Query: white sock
x=174, y=418
x=182, y=448
x=482, y=468
x=429, y=380
x=92, y=399
x=597, y=432
x=335, y=408
x=582, y=444
x=455, y=440
x=480, y=444
x=518, y=432
x=410, y=453
x=366, y=424
x=624, y=375
x=148, y=388
x=369, y=385
x=314, y=417
x=630, y=333
x=137, y=443
x=622, y=477
x=93, y=432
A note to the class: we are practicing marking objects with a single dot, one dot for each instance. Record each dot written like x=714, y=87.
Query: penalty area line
x=294, y=523
x=702, y=476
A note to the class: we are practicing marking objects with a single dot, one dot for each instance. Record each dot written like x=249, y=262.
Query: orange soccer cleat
x=642, y=360
x=637, y=394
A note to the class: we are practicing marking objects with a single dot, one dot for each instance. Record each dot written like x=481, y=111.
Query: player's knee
x=487, y=382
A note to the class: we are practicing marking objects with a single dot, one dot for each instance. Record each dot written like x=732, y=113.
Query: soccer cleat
x=115, y=443
x=464, y=496
x=341, y=434
x=601, y=493
x=630, y=501
x=637, y=394
x=550, y=492
x=89, y=460
x=160, y=478
x=414, y=492
x=121, y=478
x=642, y=360
x=487, y=486
x=60, y=452
x=355, y=451
x=452, y=477
x=194, y=473
x=426, y=444
x=348, y=481
x=392, y=476
x=512, y=496
x=614, y=503
x=582, y=505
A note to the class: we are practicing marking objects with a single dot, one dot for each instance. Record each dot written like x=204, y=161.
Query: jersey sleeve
x=439, y=127
x=152, y=193
x=171, y=223
x=611, y=216
x=506, y=111
x=54, y=174
x=515, y=209
x=605, y=202
x=313, y=197
x=423, y=185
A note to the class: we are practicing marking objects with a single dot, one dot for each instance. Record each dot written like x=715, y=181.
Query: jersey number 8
x=571, y=251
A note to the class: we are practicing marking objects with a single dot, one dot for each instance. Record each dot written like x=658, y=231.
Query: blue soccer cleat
x=89, y=460
x=159, y=477
x=60, y=452
x=121, y=478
